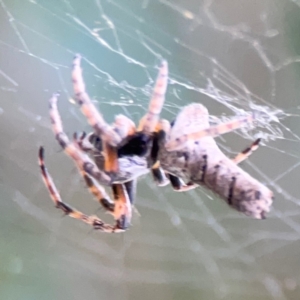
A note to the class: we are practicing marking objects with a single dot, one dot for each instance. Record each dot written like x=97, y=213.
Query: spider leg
x=123, y=198
x=176, y=142
x=109, y=137
x=94, y=221
x=88, y=142
x=246, y=152
x=82, y=161
x=94, y=188
x=110, y=158
x=124, y=194
x=95, y=119
x=83, y=142
x=123, y=208
x=149, y=121
x=124, y=127
x=158, y=173
x=110, y=155
x=99, y=193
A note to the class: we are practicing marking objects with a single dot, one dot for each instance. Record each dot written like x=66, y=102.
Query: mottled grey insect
x=115, y=155
x=188, y=150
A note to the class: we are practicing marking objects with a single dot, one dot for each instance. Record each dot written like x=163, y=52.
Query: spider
x=183, y=151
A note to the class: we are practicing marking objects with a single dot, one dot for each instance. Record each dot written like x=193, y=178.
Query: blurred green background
x=230, y=55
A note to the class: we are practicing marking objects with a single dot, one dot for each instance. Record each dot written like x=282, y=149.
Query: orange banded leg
x=149, y=121
x=99, y=193
x=94, y=188
x=247, y=152
x=124, y=127
x=94, y=221
x=95, y=119
x=178, y=143
x=110, y=154
x=82, y=141
x=123, y=208
x=158, y=173
x=82, y=160
x=88, y=168
x=123, y=199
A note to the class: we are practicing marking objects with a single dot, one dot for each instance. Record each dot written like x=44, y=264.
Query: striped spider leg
x=188, y=150
x=132, y=142
x=94, y=221
x=108, y=145
x=111, y=138
x=93, y=145
x=120, y=208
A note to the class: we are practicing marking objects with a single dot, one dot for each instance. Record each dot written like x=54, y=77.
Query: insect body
x=115, y=155
x=202, y=162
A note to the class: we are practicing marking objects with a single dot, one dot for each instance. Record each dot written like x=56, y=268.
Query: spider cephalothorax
x=183, y=151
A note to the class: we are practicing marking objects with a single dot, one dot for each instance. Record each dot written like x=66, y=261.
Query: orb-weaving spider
x=116, y=155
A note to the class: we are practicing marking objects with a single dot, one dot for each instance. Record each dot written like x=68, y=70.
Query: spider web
x=234, y=57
